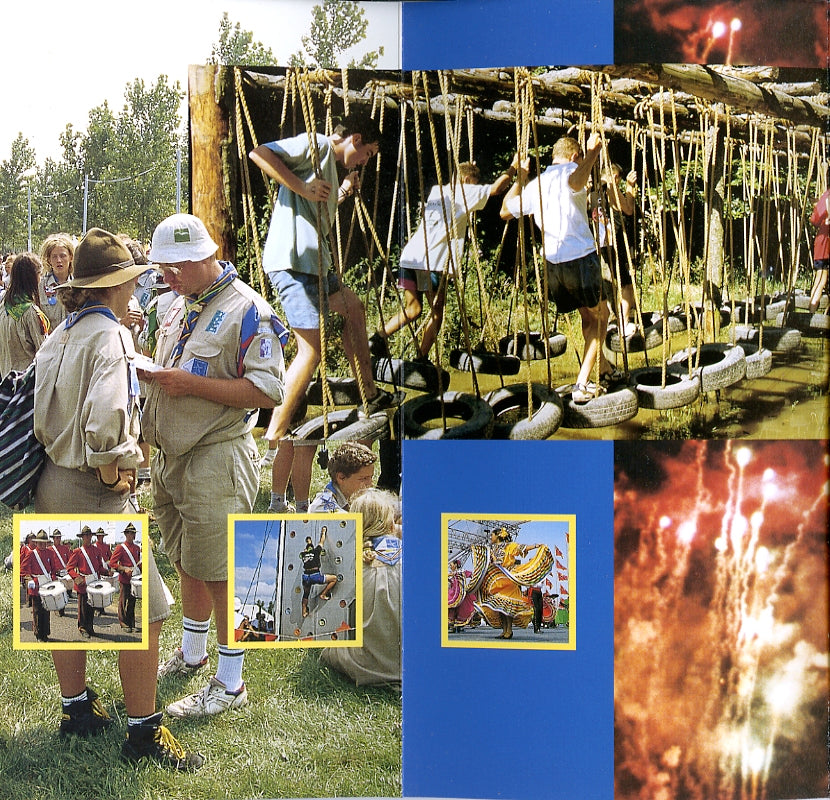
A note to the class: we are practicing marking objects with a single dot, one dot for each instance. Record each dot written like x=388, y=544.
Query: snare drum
x=99, y=593
x=53, y=596
x=135, y=585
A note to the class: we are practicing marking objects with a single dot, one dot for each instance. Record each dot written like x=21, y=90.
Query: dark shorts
x=299, y=295
x=821, y=263
x=314, y=577
x=575, y=284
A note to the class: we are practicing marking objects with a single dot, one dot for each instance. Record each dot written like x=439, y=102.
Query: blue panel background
x=461, y=34
x=481, y=723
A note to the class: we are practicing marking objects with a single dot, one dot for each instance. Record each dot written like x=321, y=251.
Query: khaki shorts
x=193, y=494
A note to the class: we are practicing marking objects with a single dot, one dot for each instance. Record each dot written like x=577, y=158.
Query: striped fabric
x=21, y=455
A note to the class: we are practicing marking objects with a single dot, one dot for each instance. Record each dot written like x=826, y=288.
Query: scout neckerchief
x=20, y=305
x=90, y=307
x=194, y=304
x=54, y=547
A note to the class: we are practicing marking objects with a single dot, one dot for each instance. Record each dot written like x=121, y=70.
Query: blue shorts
x=419, y=280
x=575, y=284
x=313, y=577
x=299, y=295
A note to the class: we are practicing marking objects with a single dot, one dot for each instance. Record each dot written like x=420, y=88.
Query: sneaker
x=382, y=401
x=85, y=717
x=176, y=665
x=283, y=508
x=213, y=699
x=268, y=457
x=152, y=740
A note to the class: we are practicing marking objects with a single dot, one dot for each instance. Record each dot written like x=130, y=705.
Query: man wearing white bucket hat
x=219, y=359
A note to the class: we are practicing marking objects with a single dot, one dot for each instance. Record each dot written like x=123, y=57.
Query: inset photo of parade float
x=295, y=580
x=698, y=197
x=510, y=581
x=81, y=582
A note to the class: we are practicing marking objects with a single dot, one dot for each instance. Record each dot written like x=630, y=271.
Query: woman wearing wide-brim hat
x=87, y=417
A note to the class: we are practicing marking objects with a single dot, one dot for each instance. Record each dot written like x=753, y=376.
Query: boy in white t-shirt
x=426, y=257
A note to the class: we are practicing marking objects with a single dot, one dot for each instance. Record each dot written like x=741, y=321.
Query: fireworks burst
x=721, y=619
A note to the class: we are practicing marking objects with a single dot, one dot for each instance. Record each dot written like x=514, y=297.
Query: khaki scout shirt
x=19, y=339
x=178, y=424
x=86, y=395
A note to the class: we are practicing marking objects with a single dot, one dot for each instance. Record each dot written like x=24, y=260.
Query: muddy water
x=790, y=402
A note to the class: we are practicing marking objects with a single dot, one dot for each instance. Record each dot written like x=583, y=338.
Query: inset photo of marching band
x=80, y=582
x=510, y=581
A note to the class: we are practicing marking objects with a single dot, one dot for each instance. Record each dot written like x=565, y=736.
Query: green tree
x=237, y=46
x=14, y=194
x=336, y=26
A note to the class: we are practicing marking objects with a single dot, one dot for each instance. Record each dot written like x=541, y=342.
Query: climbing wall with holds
x=329, y=620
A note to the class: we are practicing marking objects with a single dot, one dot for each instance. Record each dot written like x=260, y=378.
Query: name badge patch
x=265, y=348
x=216, y=321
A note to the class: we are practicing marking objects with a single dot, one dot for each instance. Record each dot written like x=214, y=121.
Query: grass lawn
x=306, y=732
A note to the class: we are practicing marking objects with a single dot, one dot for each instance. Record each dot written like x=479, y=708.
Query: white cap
x=181, y=237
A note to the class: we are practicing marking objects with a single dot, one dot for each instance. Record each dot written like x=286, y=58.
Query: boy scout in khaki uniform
x=220, y=356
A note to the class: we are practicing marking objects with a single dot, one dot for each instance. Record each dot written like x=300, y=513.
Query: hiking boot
x=176, y=665
x=213, y=699
x=85, y=717
x=152, y=740
x=382, y=401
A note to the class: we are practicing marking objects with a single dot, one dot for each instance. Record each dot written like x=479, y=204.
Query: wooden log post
x=210, y=137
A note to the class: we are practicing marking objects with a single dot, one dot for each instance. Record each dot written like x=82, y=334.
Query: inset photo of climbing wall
x=295, y=580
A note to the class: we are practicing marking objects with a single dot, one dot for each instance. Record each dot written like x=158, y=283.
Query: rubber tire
x=617, y=405
x=779, y=340
x=650, y=338
x=802, y=302
x=485, y=363
x=809, y=324
x=420, y=375
x=758, y=362
x=476, y=413
x=720, y=365
x=679, y=311
x=344, y=391
x=342, y=429
x=531, y=345
x=678, y=391
x=543, y=423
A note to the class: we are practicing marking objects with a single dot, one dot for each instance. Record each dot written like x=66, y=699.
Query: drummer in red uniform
x=106, y=554
x=126, y=561
x=84, y=563
x=61, y=553
x=39, y=568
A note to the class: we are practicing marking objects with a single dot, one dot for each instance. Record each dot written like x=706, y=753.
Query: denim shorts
x=419, y=280
x=575, y=284
x=299, y=295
